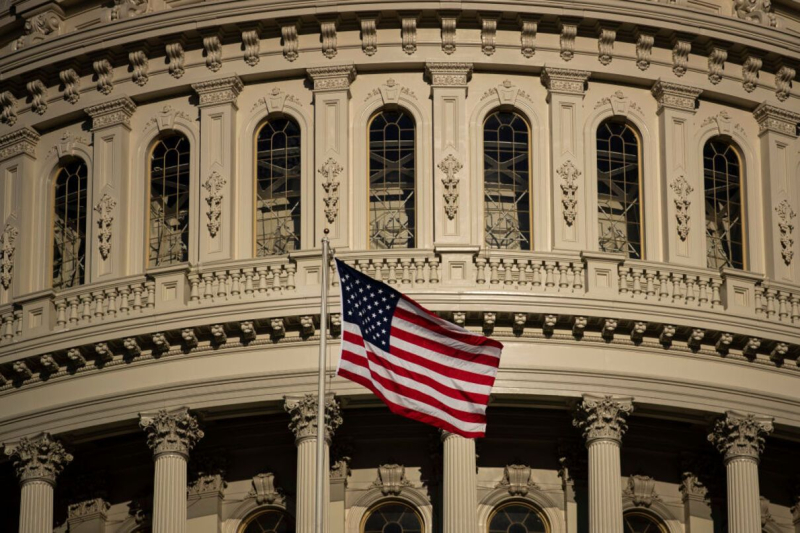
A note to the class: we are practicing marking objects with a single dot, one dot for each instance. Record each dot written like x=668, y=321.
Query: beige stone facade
x=149, y=384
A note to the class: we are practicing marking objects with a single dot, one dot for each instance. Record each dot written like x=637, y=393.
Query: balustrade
x=88, y=304
x=536, y=273
x=254, y=279
x=642, y=281
x=415, y=268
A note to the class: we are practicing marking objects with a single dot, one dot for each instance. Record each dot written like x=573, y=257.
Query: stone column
x=696, y=508
x=740, y=439
x=303, y=411
x=603, y=420
x=778, y=131
x=218, y=185
x=171, y=435
x=110, y=184
x=682, y=185
x=460, y=484
x=38, y=461
x=331, y=152
x=565, y=91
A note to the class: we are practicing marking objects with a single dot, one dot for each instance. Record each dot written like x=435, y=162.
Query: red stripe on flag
x=449, y=351
x=449, y=329
x=427, y=323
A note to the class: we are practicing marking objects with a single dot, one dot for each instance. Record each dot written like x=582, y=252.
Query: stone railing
x=81, y=306
x=251, y=279
x=776, y=302
x=406, y=267
x=668, y=284
x=535, y=272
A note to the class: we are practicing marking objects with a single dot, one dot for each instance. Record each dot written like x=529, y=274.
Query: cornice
x=219, y=91
x=333, y=77
x=448, y=74
x=565, y=81
x=675, y=96
x=20, y=141
x=775, y=119
x=112, y=113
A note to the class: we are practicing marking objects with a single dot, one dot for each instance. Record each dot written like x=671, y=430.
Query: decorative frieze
x=488, y=34
x=214, y=186
x=644, y=48
x=783, y=82
x=369, y=35
x=327, y=30
x=786, y=228
x=21, y=141
x=76, y=359
x=680, y=57
x=220, y=91
x=104, y=208
x=124, y=9
x=247, y=329
x=758, y=11
x=332, y=78
x=527, y=38
x=8, y=108
x=330, y=171
x=174, y=431
x=750, y=70
x=218, y=334
x=740, y=435
x=41, y=27
x=450, y=167
x=139, y=67
x=641, y=490
x=303, y=412
x=603, y=417
x=446, y=74
x=21, y=370
x=448, y=33
x=409, y=34
x=391, y=479
x=40, y=458
x=176, y=58
x=569, y=175
x=71, y=82
x=775, y=119
x=517, y=480
x=49, y=364
x=111, y=113
x=605, y=46
x=8, y=247
x=716, y=64
x=565, y=81
x=675, y=96
x=265, y=491
x=105, y=76
x=131, y=347
x=37, y=92
x=567, y=41
x=189, y=336
x=609, y=328
x=682, y=190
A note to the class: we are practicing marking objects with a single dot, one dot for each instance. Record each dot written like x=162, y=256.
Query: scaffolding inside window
x=723, y=193
x=69, y=225
x=169, y=201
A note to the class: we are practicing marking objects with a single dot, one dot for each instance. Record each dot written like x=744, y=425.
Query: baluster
x=221, y=284
x=73, y=310
x=508, y=273
x=623, y=279
x=663, y=286
x=392, y=270
x=150, y=286
x=703, y=298
x=124, y=299
x=716, y=298
x=194, y=287
x=61, y=312
x=291, y=269
x=677, y=284
x=523, y=271
x=650, y=286
x=783, y=309
x=691, y=284
x=549, y=280
x=406, y=270
x=771, y=303
x=8, y=327
x=577, y=284
x=494, y=265
x=18, y=322
x=111, y=298
x=563, y=278
x=637, y=282
x=86, y=311
x=208, y=290
x=795, y=309
x=99, y=307
x=236, y=288
x=420, y=271
x=333, y=275
x=434, y=270
x=537, y=275
x=480, y=262
x=261, y=272
x=276, y=277
x=358, y=266
x=248, y=281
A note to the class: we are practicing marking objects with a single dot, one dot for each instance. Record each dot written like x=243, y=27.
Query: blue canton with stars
x=367, y=303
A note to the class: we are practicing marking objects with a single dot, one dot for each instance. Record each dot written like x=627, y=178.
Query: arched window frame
x=391, y=501
x=63, y=160
x=519, y=502
x=549, y=507
x=649, y=515
x=531, y=196
x=657, y=511
x=373, y=497
x=258, y=511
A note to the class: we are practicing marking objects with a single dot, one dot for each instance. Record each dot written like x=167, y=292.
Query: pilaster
x=205, y=493
x=681, y=184
x=696, y=508
x=460, y=498
x=218, y=176
x=18, y=187
x=452, y=205
x=88, y=516
x=111, y=177
x=565, y=91
x=781, y=193
x=331, y=151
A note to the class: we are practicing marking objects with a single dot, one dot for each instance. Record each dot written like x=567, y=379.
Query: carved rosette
x=450, y=166
x=682, y=190
x=603, y=417
x=330, y=171
x=104, y=208
x=740, y=436
x=7, y=248
x=41, y=458
x=174, y=431
x=569, y=189
x=785, y=225
x=303, y=412
x=214, y=186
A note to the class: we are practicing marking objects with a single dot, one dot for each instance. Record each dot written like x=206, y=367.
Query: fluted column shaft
x=36, y=507
x=169, y=494
x=460, y=499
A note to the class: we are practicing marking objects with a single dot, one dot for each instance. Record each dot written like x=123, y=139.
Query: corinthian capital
x=39, y=458
x=603, y=417
x=740, y=435
x=303, y=410
x=173, y=431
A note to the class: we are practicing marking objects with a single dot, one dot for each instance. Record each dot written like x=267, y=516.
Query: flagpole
x=323, y=344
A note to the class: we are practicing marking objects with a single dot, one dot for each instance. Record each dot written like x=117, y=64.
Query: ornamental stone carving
x=139, y=67
x=716, y=64
x=740, y=435
x=448, y=34
x=41, y=27
x=775, y=119
x=104, y=73
x=104, y=208
x=567, y=41
x=369, y=35
x=390, y=92
x=674, y=96
x=682, y=190
x=291, y=45
x=603, y=417
x=327, y=31
x=409, y=34
x=21, y=141
x=641, y=490
x=124, y=9
x=252, y=46
x=516, y=480
x=265, y=491
x=86, y=509
x=450, y=166
x=173, y=431
x=220, y=91
x=644, y=48
x=112, y=113
x=206, y=474
x=303, y=412
x=758, y=11
x=783, y=82
x=605, y=46
x=786, y=227
x=213, y=51
x=750, y=69
x=527, y=38
x=40, y=458
x=330, y=171
x=214, y=185
x=8, y=247
x=565, y=81
x=333, y=78
x=391, y=479
x=38, y=91
x=680, y=57
x=569, y=188
x=692, y=489
x=8, y=108
x=71, y=82
x=176, y=59
x=446, y=74
x=488, y=35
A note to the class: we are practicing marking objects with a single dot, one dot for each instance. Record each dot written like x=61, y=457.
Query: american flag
x=421, y=366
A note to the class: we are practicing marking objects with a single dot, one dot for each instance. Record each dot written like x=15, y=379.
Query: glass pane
x=392, y=180
x=393, y=517
x=640, y=523
x=517, y=518
x=506, y=181
x=618, y=195
x=69, y=225
x=169, y=201
x=270, y=521
x=278, y=187
x=723, y=195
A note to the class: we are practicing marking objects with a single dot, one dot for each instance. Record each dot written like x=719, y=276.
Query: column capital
x=20, y=141
x=219, y=91
x=112, y=113
x=692, y=489
x=776, y=119
x=603, y=417
x=303, y=410
x=448, y=73
x=332, y=78
x=86, y=510
x=40, y=458
x=174, y=431
x=675, y=96
x=740, y=435
x=564, y=80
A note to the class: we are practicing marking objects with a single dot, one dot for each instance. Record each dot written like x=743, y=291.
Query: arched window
x=638, y=522
x=268, y=521
x=392, y=517
x=506, y=181
x=619, y=184
x=169, y=201
x=277, y=187
x=517, y=517
x=723, y=189
x=69, y=225
x=392, y=180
